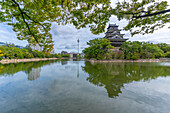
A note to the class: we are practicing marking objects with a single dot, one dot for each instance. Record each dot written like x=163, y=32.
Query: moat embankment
x=140, y=60
x=7, y=61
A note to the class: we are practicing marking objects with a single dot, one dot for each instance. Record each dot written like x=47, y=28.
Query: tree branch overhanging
x=138, y=12
x=22, y=14
x=146, y=15
x=33, y=20
x=152, y=14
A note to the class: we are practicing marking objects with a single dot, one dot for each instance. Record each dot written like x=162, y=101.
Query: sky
x=65, y=37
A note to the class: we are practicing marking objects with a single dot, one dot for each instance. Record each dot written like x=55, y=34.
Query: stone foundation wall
x=165, y=59
x=7, y=61
x=140, y=60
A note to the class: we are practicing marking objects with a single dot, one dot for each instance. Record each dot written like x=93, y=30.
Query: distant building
x=64, y=52
x=76, y=55
x=113, y=34
x=73, y=55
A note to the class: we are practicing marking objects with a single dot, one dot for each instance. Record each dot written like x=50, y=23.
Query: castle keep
x=113, y=34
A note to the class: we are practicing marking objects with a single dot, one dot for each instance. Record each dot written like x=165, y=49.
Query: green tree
x=144, y=16
x=27, y=54
x=98, y=49
x=17, y=53
x=28, y=47
x=131, y=49
x=164, y=47
x=38, y=54
x=136, y=50
x=66, y=55
x=1, y=54
x=31, y=19
x=167, y=54
x=7, y=52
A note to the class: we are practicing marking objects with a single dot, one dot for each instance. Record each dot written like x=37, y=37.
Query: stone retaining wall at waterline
x=7, y=61
x=140, y=60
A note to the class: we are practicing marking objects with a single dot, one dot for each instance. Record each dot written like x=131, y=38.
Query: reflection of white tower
x=78, y=73
x=34, y=74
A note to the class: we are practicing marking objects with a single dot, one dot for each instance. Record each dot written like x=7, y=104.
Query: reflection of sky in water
x=165, y=63
x=58, y=90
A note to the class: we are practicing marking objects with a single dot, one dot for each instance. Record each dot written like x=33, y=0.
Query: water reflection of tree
x=32, y=69
x=113, y=76
x=64, y=61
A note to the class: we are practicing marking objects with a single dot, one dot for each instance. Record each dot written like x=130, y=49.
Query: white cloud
x=65, y=37
x=9, y=36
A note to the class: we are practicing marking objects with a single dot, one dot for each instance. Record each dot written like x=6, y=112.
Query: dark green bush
x=66, y=55
x=120, y=55
x=167, y=54
x=57, y=55
x=135, y=56
x=47, y=56
x=136, y=50
x=0, y=58
x=98, y=49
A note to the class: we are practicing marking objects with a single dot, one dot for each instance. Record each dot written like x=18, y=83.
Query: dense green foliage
x=101, y=49
x=14, y=52
x=167, y=54
x=164, y=47
x=1, y=55
x=114, y=76
x=31, y=19
x=65, y=55
x=98, y=49
x=141, y=50
x=144, y=16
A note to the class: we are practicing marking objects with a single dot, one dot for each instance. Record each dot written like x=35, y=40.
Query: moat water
x=67, y=86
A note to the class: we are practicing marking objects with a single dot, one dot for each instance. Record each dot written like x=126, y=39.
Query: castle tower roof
x=114, y=35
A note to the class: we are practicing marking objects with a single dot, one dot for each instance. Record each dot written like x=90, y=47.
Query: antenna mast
x=78, y=45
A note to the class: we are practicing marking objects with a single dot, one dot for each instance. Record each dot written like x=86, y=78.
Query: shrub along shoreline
x=14, y=54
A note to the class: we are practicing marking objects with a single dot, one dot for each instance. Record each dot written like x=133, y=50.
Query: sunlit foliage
x=98, y=49
x=141, y=50
x=31, y=19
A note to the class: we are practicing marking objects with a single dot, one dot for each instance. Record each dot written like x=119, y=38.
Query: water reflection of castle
x=114, y=76
x=34, y=73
